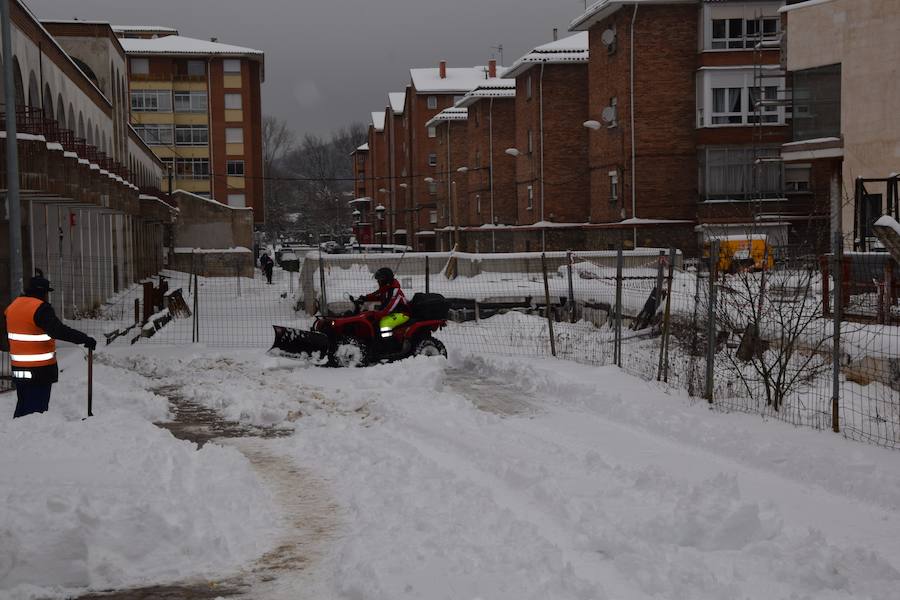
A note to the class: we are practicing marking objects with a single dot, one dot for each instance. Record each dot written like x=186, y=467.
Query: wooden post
x=662, y=372
x=570, y=257
x=838, y=251
x=620, y=263
x=547, y=300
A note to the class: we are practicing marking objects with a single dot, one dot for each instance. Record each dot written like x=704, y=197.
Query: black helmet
x=384, y=276
x=38, y=284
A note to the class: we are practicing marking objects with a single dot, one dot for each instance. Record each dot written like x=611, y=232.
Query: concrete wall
x=861, y=35
x=208, y=225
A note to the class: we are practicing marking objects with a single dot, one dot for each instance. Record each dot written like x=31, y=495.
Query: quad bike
x=355, y=339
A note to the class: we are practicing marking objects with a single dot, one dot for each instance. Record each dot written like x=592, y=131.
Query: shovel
x=90, y=382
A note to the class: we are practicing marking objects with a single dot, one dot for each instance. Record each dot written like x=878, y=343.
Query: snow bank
x=113, y=501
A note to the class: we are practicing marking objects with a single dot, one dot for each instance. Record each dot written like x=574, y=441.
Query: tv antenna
x=499, y=49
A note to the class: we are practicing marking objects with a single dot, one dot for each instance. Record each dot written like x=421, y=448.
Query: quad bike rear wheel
x=350, y=352
x=430, y=346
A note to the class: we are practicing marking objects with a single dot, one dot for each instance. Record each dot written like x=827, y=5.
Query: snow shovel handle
x=90, y=383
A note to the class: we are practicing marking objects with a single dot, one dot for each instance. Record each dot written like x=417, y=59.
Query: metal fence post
x=620, y=263
x=195, y=334
x=570, y=258
x=427, y=275
x=711, y=320
x=547, y=300
x=662, y=372
x=323, y=306
x=694, y=334
x=838, y=252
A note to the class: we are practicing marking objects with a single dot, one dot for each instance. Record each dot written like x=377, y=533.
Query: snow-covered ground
x=490, y=477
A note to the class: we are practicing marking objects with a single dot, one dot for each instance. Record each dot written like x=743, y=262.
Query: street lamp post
x=379, y=210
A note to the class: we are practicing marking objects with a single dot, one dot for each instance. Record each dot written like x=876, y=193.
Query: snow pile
x=113, y=501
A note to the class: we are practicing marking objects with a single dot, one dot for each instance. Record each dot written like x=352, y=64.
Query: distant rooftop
x=144, y=29
x=398, y=102
x=492, y=88
x=458, y=80
x=602, y=9
x=572, y=49
x=185, y=46
x=378, y=120
x=449, y=114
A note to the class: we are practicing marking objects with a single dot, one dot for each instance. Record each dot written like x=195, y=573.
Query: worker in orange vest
x=33, y=328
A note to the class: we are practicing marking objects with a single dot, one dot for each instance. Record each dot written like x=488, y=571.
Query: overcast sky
x=330, y=62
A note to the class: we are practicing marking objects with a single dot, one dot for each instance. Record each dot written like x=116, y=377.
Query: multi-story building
x=689, y=107
x=551, y=150
x=197, y=104
x=451, y=191
x=845, y=129
x=92, y=216
x=397, y=134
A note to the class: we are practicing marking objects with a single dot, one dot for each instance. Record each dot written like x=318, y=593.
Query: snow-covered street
x=468, y=478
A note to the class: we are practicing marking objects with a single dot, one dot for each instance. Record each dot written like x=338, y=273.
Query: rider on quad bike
x=393, y=308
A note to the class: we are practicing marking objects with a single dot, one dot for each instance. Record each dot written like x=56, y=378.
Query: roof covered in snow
x=457, y=81
x=378, y=120
x=602, y=9
x=398, y=102
x=573, y=49
x=449, y=114
x=363, y=148
x=180, y=45
x=492, y=88
x=144, y=29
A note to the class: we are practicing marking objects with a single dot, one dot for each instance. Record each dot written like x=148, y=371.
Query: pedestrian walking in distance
x=267, y=265
x=33, y=328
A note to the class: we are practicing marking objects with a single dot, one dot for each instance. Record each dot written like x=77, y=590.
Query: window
x=231, y=66
x=530, y=197
x=738, y=33
x=530, y=143
x=763, y=105
x=151, y=101
x=432, y=102
x=156, y=135
x=796, y=178
x=432, y=131
x=613, y=187
x=191, y=135
x=234, y=135
x=192, y=168
x=140, y=66
x=196, y=67
x=727, y=106
x=235, y=168
x=194, y=102
x=478, y=203
x=237, y=200
x=432, y=217
x=432, y=159
x=731, y=173
x=432, y=187
x=233, y=101
x=817, y=103
x=528, y=86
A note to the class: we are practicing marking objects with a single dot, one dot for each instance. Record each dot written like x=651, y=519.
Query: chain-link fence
x=748, y=333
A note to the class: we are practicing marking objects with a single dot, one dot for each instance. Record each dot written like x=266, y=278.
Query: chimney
x=214, y=39
x=492, y=68
x=443, y=69
x=555, y=34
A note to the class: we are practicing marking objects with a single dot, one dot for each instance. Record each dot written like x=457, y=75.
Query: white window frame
x=234, y=163
x=151, y=101
x=432, y=131
x=745, y=79
x=433, y=217
x=744, y=11
x=197, y=135
x=530, y=198
x=230, y=103
x=432, y=102
x=234, y=135
x=797, y=178
x=139, y=66
x=194, y=163
x=153, y=134
x=231, y=66
x=196, y=102
x=613, y=187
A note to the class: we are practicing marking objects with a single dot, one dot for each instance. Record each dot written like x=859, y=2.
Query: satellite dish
x=609, y=115
x=608, y=37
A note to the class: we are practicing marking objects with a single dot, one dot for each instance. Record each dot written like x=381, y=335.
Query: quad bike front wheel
x=350, y=352
x=430, y=347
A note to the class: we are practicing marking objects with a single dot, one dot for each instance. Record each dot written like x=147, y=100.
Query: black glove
x=91, y=344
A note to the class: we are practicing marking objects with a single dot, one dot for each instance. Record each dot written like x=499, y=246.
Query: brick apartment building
x=551, y=157
x=690, y=101
x=491, y=184
x=197, y=103
x=450, y=192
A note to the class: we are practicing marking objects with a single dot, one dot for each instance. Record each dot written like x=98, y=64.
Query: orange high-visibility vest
x=29, y=345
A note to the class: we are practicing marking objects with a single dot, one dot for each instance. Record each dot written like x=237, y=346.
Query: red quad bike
x=354, y=339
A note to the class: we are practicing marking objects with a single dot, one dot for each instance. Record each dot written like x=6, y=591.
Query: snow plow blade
x=297, y=342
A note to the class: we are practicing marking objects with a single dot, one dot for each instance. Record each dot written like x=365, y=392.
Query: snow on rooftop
x=178, y=44
x=806, y=4
x=458, y=80
x=492, y=88
x=449, y=114
x=572, y=49
x=602, y=9
x=398, y=102
x=363, y=147
x=378, y=120
x=143, y=29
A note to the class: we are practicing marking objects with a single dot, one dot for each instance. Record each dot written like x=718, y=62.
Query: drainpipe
x=633, y=151
x=491, y=168
x=392, y=218
x=541, y=98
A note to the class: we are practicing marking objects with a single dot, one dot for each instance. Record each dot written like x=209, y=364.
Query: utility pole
x=12, y=159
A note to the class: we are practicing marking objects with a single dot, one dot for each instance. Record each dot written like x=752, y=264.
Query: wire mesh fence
x=750, y=336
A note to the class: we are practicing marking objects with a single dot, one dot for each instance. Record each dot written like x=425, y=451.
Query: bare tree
x=277, y=141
